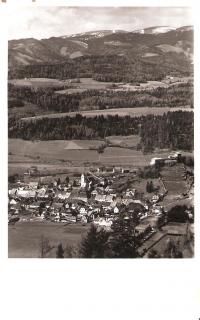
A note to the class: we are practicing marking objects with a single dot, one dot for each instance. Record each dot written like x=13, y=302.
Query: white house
x=116, y=210
x=83, y=211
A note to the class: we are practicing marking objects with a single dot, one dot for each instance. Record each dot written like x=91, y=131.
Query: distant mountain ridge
x=159, y=41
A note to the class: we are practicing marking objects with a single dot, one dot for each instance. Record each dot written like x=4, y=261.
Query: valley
x=101, y=131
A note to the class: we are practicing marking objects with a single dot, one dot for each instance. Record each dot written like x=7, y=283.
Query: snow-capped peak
x=155, y=30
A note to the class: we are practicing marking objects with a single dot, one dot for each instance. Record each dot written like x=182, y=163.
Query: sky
x=44, y=22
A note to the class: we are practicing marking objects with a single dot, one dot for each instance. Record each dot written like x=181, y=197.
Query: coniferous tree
x=123, y=241
x=95, y=243
x=60, y=251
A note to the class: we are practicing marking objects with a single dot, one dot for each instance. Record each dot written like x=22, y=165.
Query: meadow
x=24, y=237
x=36, y=82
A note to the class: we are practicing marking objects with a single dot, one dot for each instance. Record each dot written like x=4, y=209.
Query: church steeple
x=83, y=183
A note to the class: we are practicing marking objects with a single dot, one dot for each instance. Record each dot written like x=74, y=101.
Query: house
x=130, y=193
x=33, y=184
x=156, y=161
x=12, y=201
x=109, y=189
x=127, y=201
x=155, y=198
x=94, y=193
x=109, y=198
x=35, y=205
x=63, y=195
x=31, y=194
x=41, y=193
x=22, y=193
x=82, y=211
x=12, y=192
x=100, y=197
x=170, y=162
x=103, y=223
x=116, y=210
x=157, y=210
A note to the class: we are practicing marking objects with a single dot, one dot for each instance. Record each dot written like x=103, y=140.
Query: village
x=100, y=195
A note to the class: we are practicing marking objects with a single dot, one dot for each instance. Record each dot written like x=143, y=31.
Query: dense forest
x=172, y=130
x=112, y=68
x=49, y=100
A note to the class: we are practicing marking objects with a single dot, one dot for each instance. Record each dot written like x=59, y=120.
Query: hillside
x=146, y=44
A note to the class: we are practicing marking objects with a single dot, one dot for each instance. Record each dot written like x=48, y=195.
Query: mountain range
x=149, y=44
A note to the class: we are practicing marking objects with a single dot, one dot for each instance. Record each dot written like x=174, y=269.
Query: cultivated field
x=24, y=237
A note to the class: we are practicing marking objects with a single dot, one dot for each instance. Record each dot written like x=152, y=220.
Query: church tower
x=83, y=183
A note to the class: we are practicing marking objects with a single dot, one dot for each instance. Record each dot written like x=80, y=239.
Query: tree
x=67, y=180
x=151, y=186
x=147, y=187
x=60, y=251
x=177, y=214
x=172, y=250
x=95, y=244
x=123, y=241
x=44, y=247
x=101, y=148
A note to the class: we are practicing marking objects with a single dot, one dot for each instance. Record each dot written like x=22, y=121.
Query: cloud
x=44, y=22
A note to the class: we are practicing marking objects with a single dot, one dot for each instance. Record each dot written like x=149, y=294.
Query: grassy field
x=132, y=112
x=59, y=154
x=36, y=82
x=125, y=141
x=85, y=84
x=24, y=237
x=55, y=151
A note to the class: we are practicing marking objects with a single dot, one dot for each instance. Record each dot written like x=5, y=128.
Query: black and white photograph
x=100, y=132
x=100, y=167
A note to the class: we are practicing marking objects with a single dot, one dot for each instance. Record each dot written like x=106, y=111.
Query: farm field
x=36, y=82
x=132, y=112
x=89, y=83
x=53, y=150
x=24, y=237
x=85, y=84
x=59, y=150
x=64, y=153
x=174, y=181
x=175, y=187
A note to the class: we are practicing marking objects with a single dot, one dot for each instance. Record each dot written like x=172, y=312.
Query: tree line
x=47, y=99
x=173, y=130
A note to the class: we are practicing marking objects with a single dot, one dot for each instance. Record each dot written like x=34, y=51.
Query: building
x=83, y=183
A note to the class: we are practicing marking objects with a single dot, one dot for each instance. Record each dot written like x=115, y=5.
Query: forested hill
x=173, y=130
x=108, y=68
x=105, y=56
x=49, y=100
